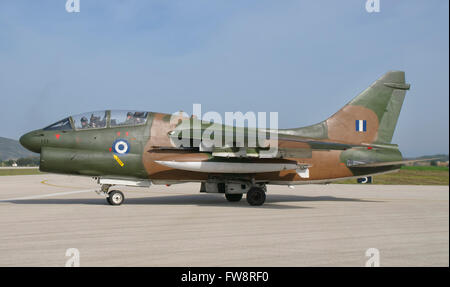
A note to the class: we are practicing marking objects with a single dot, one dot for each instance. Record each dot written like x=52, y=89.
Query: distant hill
x=12, y=149
x=442, y=157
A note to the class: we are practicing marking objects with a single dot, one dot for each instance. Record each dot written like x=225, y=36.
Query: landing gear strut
x=256, y=196
x=113, y=197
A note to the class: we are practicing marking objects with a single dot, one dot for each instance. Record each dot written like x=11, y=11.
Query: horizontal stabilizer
x=386, y=163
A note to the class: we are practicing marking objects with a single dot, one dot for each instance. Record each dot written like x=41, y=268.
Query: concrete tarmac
x=41, y=216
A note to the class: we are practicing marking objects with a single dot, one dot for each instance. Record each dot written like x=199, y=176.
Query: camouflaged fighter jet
x=143, y=148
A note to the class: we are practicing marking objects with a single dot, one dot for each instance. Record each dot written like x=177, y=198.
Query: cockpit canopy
x=90, y=120
x=100, y=119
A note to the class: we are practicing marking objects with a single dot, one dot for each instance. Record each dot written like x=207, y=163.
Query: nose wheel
x=115, y=197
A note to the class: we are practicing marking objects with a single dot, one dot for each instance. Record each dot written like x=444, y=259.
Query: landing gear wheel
x=115, y=197
x=233, y=197
x=256, y=196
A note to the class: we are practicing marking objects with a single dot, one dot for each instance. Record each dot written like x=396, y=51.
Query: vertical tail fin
x=370, y=117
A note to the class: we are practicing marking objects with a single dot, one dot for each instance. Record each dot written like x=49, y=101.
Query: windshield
x=61, y=125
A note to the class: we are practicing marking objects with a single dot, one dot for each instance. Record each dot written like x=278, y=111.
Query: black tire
x=115, y=197
x=256, y=196
x=233, y=197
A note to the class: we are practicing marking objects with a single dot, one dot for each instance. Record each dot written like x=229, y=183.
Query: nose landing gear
x=113, y=197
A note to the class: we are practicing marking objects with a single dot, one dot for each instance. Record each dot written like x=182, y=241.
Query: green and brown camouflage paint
x=88, y=152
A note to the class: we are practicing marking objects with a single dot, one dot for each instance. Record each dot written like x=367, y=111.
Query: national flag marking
x=361, y=125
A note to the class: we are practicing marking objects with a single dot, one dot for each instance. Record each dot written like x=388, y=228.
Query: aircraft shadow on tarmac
x=197, y=199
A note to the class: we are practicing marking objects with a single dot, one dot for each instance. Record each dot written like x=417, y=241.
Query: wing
x=227, y=141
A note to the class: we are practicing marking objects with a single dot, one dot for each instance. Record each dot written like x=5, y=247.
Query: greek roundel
x=361, y=125
x=121, y=146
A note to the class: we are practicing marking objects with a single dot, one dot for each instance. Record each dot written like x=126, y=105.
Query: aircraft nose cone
x=31, y=141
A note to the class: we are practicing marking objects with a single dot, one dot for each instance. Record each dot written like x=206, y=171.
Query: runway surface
x=41, y=216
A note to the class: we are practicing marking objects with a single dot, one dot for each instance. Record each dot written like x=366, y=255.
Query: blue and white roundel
x=121, y=146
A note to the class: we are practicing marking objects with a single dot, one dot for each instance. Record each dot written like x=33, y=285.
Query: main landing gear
x=113, y=197
x=233, y=197
x=256, y=196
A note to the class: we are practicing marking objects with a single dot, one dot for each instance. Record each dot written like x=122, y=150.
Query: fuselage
x=108, y=145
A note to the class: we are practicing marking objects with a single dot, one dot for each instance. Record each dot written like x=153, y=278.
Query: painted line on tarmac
x=55, y=185
x=47, y=195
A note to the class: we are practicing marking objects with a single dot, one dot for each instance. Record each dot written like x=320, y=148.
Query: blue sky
x=302, y=59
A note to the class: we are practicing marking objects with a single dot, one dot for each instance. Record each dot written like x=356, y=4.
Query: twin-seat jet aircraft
x=135, y=148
